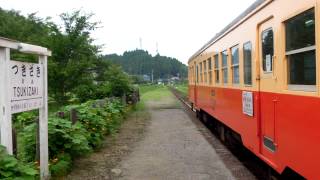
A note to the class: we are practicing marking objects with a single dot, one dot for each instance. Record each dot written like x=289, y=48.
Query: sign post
x=5, y=109
x=43, y=120
x=24, y=87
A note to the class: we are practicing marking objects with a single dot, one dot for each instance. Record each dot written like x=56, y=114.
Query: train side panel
x=296, y=131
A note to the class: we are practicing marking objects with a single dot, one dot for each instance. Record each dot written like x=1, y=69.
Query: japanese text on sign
x=26, y=86
x=247, y=103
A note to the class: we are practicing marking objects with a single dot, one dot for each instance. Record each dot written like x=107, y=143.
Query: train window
x=247, y=63
x=210, y=70
x=225, y=66
x=300, y=49
x=235, y=64
x=193, y=75
x=200, y=65
x=197, y=73
x=300, y=31
x=267, y=50
x=205, y=71
x=216, y=67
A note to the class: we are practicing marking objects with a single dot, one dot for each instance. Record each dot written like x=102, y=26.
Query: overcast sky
x=180, y=27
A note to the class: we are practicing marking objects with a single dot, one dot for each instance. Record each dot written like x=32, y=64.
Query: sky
x=177, y=28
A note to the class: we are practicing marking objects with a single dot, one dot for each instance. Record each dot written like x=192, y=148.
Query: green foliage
x=154, y=92
x=86, y=92
x=140, y=62
x=11, y=168
x=28, y=143
x=65, y=137
x=75, y=68
x=118, y=81
x=183, y=88
x=96, y=119
x=61, y=165
x=74, y=55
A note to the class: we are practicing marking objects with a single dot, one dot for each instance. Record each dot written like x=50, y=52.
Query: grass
x=153, y=92
x=183, y=88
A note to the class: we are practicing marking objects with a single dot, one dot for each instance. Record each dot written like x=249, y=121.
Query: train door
x=267, y=84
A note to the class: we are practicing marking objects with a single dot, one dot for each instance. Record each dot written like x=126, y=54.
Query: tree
x=75, y=69
x=140, y=62
x=73, y=56
x=118, y=81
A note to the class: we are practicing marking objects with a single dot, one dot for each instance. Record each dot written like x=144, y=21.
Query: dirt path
x=168, y=146
x=99, y=164
x=172, y=149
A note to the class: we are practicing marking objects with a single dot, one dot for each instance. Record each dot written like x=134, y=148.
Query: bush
x=68, y=141
x=11, y=168
x=61, y=165
x=65, y=137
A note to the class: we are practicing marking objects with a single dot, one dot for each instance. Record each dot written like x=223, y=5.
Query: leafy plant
x=60, y=165
x=65, y=137
x=11, y=168
x=67, y=140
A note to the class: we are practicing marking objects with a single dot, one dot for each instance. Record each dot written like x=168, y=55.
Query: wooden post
x=14, y=142
x=43, y=123
x=5, y=94
x=73, y=116
x=37, y=140
x=60, y=114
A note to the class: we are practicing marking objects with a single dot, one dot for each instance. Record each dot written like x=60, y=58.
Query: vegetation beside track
x=182, y=89
x=154, y=92
x=70, y=139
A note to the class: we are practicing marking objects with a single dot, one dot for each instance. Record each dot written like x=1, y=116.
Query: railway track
x=241, y=162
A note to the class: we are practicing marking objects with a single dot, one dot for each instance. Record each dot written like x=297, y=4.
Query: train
x=259, y=77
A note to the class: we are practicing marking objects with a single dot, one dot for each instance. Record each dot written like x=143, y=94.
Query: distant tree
x=140, y=62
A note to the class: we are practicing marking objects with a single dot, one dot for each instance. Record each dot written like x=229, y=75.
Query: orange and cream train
x=260, y=77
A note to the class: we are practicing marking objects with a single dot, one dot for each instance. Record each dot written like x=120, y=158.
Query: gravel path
x=165, y=143
x=173, y=148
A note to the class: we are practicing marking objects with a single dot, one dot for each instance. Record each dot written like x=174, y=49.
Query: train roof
x=250, y=9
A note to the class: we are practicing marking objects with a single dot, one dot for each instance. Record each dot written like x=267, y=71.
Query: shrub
x=60, y=165
x=11, y=168
x=65, y=137
x=68, y=141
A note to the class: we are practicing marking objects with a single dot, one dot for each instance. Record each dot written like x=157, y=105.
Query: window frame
x=235, y=65
x=209, y=60
x=197, y=73
x=251, y=62
x=216, y=69
x=301, y=87
x=201, y=70
x=205, y=71
x=225, y=67
x=272, y=57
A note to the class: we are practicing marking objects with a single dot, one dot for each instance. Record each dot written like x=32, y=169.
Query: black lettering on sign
x=25, y=91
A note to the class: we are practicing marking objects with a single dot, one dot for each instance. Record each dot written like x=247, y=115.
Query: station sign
x=26, y=86
x=247, y=103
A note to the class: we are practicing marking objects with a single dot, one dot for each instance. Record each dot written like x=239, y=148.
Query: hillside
x=140, y=62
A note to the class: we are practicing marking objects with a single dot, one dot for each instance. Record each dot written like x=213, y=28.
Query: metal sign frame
x=5, y=99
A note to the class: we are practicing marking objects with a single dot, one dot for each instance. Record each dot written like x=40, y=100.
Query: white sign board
x=268, y=63
x=26, y=86
x=247, y=103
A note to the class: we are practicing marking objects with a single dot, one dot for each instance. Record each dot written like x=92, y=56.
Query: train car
x=260, y=77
